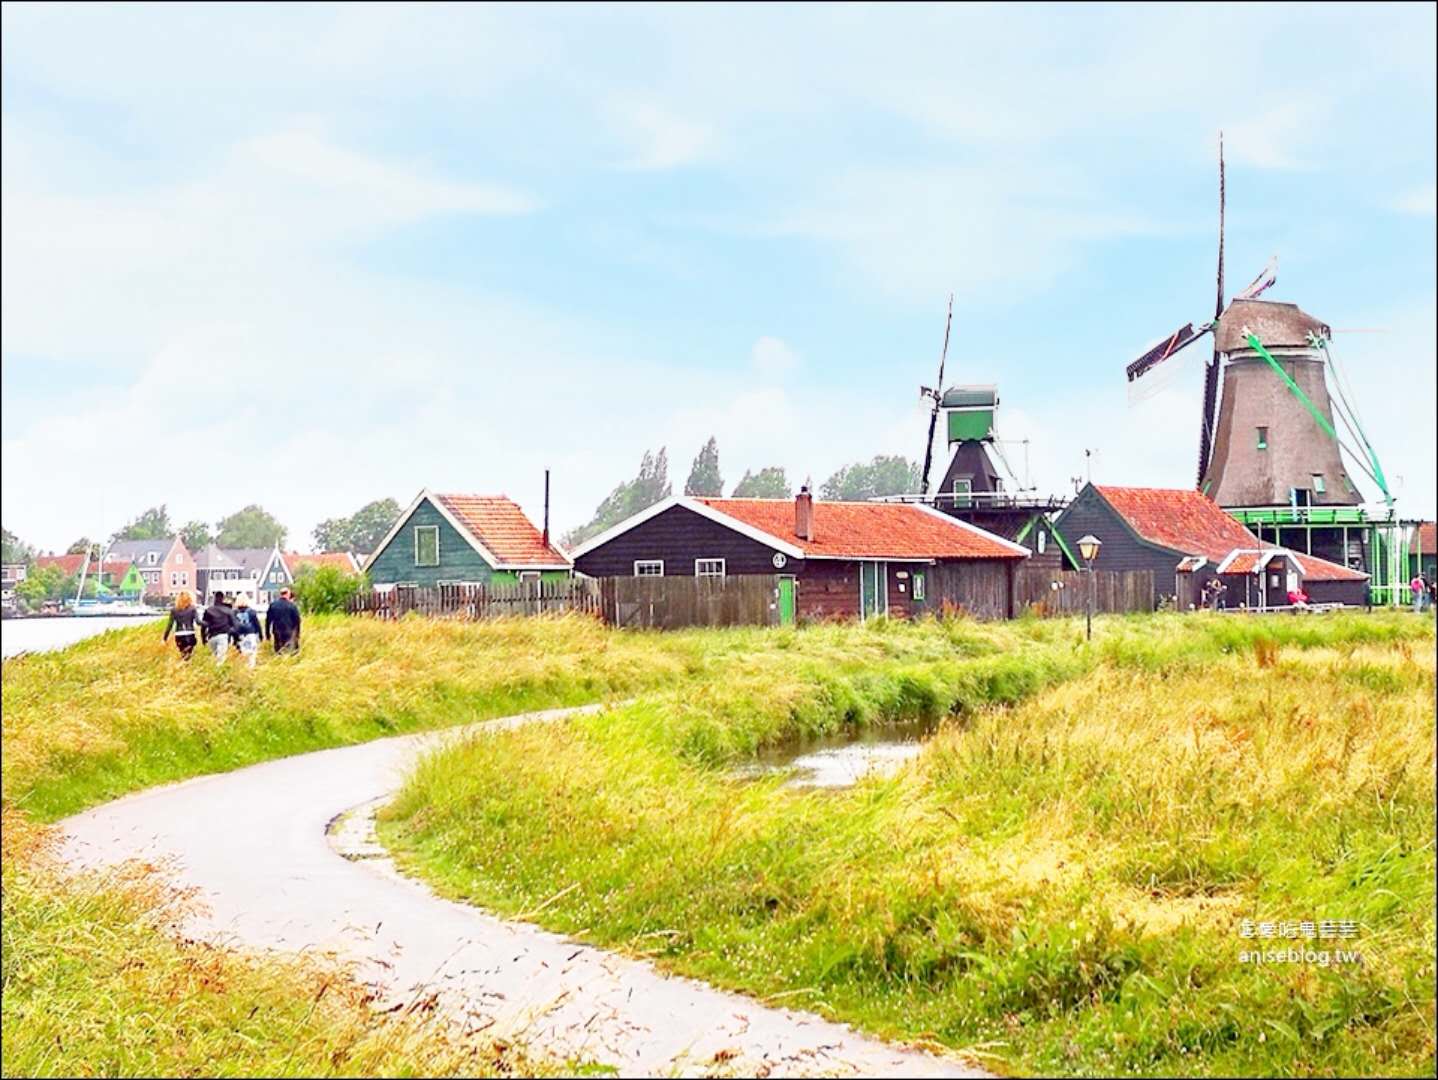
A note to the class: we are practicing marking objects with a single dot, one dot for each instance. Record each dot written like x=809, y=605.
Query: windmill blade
x=938, y=396
x=1212, y=372
x=1262, y=282
x=1181, y=338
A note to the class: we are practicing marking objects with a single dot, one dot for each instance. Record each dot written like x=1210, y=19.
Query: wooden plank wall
x=981, y=589
x=1115, y=591
x=670, y=603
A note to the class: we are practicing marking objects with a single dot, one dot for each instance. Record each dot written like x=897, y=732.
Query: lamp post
x=1088, y=548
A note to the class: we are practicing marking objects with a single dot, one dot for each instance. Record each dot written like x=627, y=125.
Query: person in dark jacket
x=182, y=622
x=216, y=626
x=282, y=623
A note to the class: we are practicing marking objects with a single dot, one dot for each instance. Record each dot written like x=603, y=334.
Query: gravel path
x=282, y=856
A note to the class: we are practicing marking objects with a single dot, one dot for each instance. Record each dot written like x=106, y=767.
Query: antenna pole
x=1210, y=376
x=546, y=507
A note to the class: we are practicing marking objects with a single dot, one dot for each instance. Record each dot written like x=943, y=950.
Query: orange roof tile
x=499, y=524
x=865, y=530
x=341, y=560
x=1427, y=538
x=1311, y=567
x=1179, y=518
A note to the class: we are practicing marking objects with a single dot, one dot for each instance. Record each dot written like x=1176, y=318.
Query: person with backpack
x=216, y=627
x=182, y=622
x=247, y=630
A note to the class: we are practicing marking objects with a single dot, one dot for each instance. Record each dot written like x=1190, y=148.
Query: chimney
x=804, y=514
x=546, y=507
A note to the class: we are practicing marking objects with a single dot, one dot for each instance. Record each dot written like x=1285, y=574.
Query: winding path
x=282, y=856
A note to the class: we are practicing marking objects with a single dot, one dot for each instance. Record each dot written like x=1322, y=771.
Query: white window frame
x=710, y=573
x=527, y=575
x=426, y=528
x=648, y=562
x=918, y=585
x=1320, y=486
x=1043, y=538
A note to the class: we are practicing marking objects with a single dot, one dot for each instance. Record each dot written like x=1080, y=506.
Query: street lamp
x=1088, y=548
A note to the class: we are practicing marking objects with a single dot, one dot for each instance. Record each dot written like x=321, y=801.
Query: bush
x=325, y=589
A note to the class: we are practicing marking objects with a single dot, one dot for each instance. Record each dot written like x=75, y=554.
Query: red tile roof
x=499, y=524
x=341, y=560
x=70, y=564
x=1179, y=518
x=1427, y=538
x=864, y=530
x=1312, y=568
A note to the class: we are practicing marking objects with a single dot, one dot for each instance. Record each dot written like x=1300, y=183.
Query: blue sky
x=311, y=256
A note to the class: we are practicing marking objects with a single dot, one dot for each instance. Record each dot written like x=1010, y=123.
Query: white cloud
x=1282, y=137
x=660, y=139
x=771, y=358
x=1421, y=201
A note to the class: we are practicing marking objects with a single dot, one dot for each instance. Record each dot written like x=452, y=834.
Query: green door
x=786, y=601
x=873, y=588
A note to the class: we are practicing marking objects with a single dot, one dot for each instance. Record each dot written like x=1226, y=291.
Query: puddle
x=842, y=760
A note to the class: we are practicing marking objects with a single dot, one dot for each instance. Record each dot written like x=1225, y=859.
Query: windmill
x=1266, y=433
x=936, y=393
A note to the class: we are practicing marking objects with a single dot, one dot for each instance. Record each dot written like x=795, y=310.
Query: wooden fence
x=1065, y=592
x=981, y=589
x=482, y=601
x=670, y=603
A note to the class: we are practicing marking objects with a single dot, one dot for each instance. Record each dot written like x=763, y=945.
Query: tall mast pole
x=1211, y=374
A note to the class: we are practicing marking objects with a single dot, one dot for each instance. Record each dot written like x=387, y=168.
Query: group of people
x=1422, y=588
x=229, y=620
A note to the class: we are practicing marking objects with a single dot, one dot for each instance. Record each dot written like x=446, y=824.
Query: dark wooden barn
x=832, y=559
x=1184, y=537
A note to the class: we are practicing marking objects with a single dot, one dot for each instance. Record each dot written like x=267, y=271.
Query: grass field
x=851, y=903
x=1057, y=884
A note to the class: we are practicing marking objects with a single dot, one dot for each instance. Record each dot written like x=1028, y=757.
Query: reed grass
x=1057, y=884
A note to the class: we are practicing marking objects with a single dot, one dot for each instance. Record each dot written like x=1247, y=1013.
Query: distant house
x=265, y=567
x=344, y=561
x=463, y=540
x=114, y=574
x=11, y=574
x=166, y=565
x=1186, y=539
x=213, y=568
x=834, y=559
x=1423, y=550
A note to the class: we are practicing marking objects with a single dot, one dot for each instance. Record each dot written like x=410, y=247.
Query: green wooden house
x=463, y=540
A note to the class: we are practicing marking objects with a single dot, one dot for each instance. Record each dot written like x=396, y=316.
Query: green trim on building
x=394, y=564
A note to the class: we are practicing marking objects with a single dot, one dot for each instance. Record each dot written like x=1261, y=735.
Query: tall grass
x=1059, y=880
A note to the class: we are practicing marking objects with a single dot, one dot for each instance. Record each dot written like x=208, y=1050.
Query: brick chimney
x=804, y=515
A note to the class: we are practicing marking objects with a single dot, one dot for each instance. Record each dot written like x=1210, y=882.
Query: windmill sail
x=1185, y=335
x=1262, y=282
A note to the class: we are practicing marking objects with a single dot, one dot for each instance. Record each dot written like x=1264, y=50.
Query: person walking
x=282, y=623
x=1418, y=587
x=216, y=626
x=247, y=630
x=182, y=623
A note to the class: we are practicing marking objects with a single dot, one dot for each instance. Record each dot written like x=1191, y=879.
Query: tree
x=320, y=589
x=81, y=546
x=361, y=531
x=893, y=475
x=770, y=483
x=153, y=524
x=251, y=527
x=630, y=497
x=195, y=535
x=16, y=550
x=44, y=583
x=704, y=477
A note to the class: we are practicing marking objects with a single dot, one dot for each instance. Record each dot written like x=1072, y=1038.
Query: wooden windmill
x=1266, y=436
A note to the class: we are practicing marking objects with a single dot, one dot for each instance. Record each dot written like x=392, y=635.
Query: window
x=649, y=568
x=1319, y=486
x=528, y=575
x=1263, y=438
x=426, y=545
x=709, y=568
x=962, y=488
x=1043, y=536
x=918, y=585
x=151, y=557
